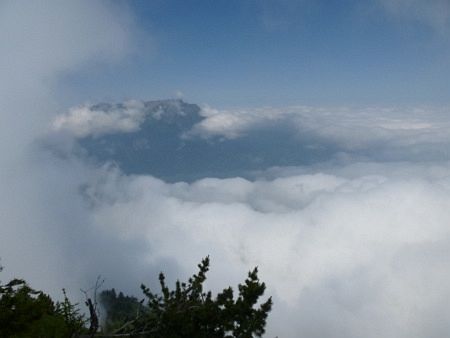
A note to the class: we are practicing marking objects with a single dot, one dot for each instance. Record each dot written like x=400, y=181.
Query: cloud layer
x=174, y=140
x=355, y=244
x=382, y=133
x=348, y=248
x=349, y=251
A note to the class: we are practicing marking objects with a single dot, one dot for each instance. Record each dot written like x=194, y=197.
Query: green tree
x=25, y=312
x=74, y=320
x=189, y=311
x=118, y=309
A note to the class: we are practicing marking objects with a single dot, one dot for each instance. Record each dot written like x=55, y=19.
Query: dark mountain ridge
x=159, y=147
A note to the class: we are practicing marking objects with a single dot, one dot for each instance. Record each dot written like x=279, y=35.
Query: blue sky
x=253, y=53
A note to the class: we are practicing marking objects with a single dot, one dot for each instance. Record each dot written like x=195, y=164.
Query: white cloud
x=91, y=120
x=346, y=250
x=375, y=132
x=40, y=213
x=61, y=35
x=332, y=122
x=42, y=40
x=359, y=250
x=232, y=124
x=109, y=118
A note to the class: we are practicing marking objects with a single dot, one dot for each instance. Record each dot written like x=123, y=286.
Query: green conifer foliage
x=25, y=313
x=190, y=311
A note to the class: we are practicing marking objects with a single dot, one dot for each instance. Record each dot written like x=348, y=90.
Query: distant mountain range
x=158, y=147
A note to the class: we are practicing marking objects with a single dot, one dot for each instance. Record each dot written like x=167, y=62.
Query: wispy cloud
x=432, y=13
x=40, y=213
x=94, y=120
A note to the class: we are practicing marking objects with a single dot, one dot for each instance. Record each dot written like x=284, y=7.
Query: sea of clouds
x=357, y=246
x=348, y=247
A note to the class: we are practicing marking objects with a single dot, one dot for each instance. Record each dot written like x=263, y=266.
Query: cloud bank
x=381, y=133
x=329, y=122
x=350, y=129
x=347, y=251
x=174, y=140
x=348, y=248
x=41, y=216
x=351, y=248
